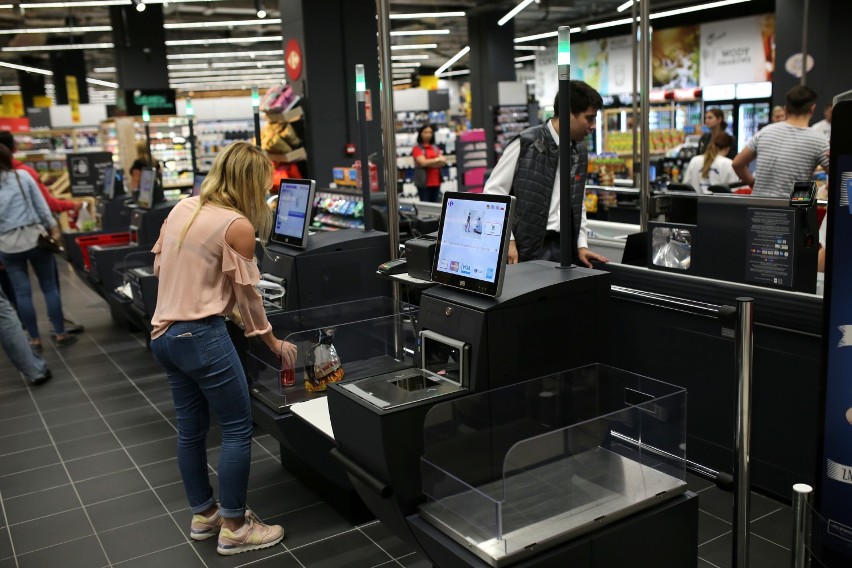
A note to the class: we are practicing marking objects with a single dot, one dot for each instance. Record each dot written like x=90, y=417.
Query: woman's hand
x=55, y=233
x=286, y=351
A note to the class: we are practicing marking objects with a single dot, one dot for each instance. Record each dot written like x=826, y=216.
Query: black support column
x=32, y=84
x=492, y=59
x=140, y=47
x=64, y=63
x=333, y=37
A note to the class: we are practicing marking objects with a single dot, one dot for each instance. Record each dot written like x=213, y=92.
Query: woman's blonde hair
x=239, y=180
x=719, y=142
x=143, y=153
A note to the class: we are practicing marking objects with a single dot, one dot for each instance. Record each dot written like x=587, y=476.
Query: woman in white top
x=712, y=167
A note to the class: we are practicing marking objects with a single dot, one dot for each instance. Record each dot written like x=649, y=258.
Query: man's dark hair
x=800, y=99
x=583, y=96
x=7, y=140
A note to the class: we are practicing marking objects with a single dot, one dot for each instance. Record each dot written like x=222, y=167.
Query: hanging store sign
x=619, y=69
x=674, y=57
x=546, y=78
x=159, y=101
x=73, y=98
x=293, y=60
x=738, y=51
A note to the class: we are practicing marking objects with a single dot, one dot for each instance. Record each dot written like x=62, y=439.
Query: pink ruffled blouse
x=205, y=277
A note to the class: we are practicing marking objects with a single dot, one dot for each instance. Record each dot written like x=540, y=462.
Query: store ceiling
x=538, y=17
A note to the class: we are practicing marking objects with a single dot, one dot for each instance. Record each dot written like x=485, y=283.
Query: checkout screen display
x=471, y=239
x=293, y=208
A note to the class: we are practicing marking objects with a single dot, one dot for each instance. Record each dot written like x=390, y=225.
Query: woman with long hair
x=144, y=159
x=24, y=209
x=714, y=120
x=204, y=259
x=713, y=167
x=428, y=158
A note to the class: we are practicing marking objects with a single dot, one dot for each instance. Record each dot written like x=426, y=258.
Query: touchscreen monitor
x=472, y=241
x=147, y=178
x=196, y=184
x=293, y=214
x=108, y=189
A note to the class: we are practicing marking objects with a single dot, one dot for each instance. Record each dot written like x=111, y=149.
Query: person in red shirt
x=55, y=205
x=428, y=156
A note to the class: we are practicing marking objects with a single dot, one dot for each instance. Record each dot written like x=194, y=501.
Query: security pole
x=361, y=100
x=255, y=107
x=190, y=115
x=645, y=134
x=146, y=120
x=567, y=238
x=802, y=494
x=742, y=441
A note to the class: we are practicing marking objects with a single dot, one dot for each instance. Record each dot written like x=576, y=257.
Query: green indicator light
x=564, y=46
x=146, y=116
x=360, y=81
x=255, y=98
x=189, y=111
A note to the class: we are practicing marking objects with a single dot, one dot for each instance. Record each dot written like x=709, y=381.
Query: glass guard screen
x=292, y=209
x=146, y=187
x=196, y=185
x=441, y=359
x=109, y=182
x=471, y=237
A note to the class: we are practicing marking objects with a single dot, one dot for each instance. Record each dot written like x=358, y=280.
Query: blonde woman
x=713, y=167
x=204, y=260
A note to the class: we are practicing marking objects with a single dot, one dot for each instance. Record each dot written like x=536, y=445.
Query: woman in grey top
x=23, y=206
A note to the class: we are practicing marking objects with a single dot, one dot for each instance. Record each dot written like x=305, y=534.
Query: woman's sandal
x=35, y=345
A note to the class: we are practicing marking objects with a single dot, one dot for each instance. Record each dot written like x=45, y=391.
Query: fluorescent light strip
x=454, y=73
x=530, y=48
x=414, y=46
x=70, y=30
x=611, y=24
x=525, y=58
x=104, y=70
x=10, y=88
x=408, y=57
x=403, y=65
x=421, y=15
x=626, y=5
x=6, y=6
x=25, y=68
x=545, y=35
x=697, y=8
x=223, y=24
x=227, y=40
x=213, y=86
x=420, y=33
x=452, y=60
x=227, y=73
x=519, y=65
x=101, y=83
x=221, y=55
x=402, y=82
x=514, y=12
x=61, y=47
x=262, y=63
x=85, y=4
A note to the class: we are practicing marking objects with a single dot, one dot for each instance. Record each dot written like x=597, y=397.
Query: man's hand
x=587, y=256
x=512, y=257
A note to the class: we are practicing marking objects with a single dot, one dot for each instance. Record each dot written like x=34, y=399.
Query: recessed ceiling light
x=414, y=46
x=64, y=47
x=421, y=15
x=219, y=55
x=227, y=40
x=420, y=32
x=452, y=60
x=221, y=24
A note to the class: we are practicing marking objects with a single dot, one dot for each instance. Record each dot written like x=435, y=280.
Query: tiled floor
x=88, y=476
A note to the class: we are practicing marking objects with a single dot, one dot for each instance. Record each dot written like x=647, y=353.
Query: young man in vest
x=529, y=170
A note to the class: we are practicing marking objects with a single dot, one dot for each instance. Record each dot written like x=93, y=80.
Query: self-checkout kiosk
x=324, y=267
x=111, y=210
x=489, y=328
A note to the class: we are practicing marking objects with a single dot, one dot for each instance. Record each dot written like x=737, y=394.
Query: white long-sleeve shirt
x=500, y=183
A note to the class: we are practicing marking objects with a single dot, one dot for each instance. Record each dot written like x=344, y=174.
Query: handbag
x=419, y=180
x=34, y=232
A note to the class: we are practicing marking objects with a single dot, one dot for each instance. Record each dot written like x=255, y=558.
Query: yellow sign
x=42, y=102
x=13, y=106
x=429, y=82
x=73, y=98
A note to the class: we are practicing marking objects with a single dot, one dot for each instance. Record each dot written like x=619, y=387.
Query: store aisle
x=88, y=475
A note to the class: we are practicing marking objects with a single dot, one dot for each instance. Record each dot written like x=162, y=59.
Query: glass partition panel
x=361, y=339
x=552, y=458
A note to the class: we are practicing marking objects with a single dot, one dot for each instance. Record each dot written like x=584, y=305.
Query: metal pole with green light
x=146, y=120
x=361, y=101
x=190, y=115
x=255, y=107
x=567, y=236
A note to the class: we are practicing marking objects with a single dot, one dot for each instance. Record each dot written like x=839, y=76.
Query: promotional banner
x=547, y=76
x=589, y=58
x=738, y=51
x=835, y=490
x=619, y=69
x=674, y=57
x=87, y=172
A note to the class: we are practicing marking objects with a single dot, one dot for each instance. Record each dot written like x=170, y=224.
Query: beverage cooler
x=751, y=117
x=747, y=107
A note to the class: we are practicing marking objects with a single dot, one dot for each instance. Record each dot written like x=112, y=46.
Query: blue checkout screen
x=292, y=209
x=471, y=236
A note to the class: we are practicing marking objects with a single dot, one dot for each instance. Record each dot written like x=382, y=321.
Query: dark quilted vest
x=533, y=187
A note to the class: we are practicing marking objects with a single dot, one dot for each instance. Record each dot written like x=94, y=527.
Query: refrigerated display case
x=751, y=117
x=747, y=107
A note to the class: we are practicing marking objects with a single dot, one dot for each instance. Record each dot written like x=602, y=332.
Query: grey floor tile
x=125, y=510
x=720, y=504
x=207, y=551
x=145, y=433
x=116, y=390
x=265, y=472
x=342, y=551
x=131, y=418
x=762, y=553
x=110, y=486
x=386, y=540
x=309, y=525
x=776, y=527
x=414, y=561
x=5, y=544
x=18, y=404
x=63, y=400
x=279, y=499
x=96, y=466
x=161, y=473
x=81, y=553
x=29, y=459
x=50, y=531
x=151, y=452
x=78, y=430
x=182, y=555
x=121, y=404
x=14, y=426
x=279, y=560
x=86, y=447
x=23, y=442
x=141, y=538
x=33, y=481
x=70, y=414
x=710, y=527
x=40, y=504
x=174, y=498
